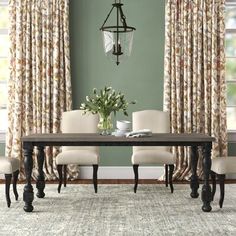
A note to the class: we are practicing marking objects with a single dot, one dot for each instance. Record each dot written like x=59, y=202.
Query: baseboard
x=126, y=172
x=119, y=172
x=122, y=172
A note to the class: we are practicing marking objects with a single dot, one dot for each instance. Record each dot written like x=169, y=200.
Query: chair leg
x=135, y=168
x=171, y=170
x=7, y=188
x=222, y=189
x=213, y=178
x=59, y=169
x=65, y=168
x=15, y=179
x=95, y=182
x=166, y=175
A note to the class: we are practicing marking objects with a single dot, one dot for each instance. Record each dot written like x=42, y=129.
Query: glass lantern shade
x=118, y=46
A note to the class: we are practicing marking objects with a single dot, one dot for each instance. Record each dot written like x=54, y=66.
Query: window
x=230, y=50
x=4, y=68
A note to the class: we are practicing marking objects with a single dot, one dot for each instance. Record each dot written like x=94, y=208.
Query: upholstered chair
x=10, y=167
x=77, y=122
x=219, y=168
x=157, y=122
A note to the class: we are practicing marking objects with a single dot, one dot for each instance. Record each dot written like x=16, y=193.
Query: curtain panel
x=194, y=76
x=40, y=82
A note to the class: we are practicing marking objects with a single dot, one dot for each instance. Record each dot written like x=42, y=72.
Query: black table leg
x=28, y=195
x=194, y=183
x=40, y=182
x=206, y=188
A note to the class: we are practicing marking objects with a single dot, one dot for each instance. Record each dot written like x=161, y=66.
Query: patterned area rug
x=116, y=210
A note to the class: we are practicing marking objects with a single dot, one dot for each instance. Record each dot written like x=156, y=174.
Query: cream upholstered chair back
x=77, y=122
x=156, y=121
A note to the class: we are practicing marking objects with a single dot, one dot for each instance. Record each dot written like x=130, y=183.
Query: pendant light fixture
x=117, y=38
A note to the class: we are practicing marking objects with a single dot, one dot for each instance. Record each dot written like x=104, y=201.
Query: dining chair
x=10, y=167
x=77, y=122
x=219, y=168
x=157, y=122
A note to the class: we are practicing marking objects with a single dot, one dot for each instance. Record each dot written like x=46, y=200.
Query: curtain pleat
x=40, y=82
x=194, y=86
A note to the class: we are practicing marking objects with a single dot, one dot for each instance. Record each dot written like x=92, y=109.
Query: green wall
x=231, y=149
x=139, y=78
x=2, y=149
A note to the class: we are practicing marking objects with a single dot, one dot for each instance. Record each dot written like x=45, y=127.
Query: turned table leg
x=206, y=188
x=194, y=183
x=28, y=195
x=40, y=182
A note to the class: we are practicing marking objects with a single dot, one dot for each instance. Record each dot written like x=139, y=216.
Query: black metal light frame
x=118, y=29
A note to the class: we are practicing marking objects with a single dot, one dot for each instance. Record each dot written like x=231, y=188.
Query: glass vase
x=105, y=124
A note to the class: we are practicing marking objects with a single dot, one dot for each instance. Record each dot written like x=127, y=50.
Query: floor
x=121, y=181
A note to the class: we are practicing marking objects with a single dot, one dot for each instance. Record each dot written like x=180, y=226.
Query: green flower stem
x=105, y=123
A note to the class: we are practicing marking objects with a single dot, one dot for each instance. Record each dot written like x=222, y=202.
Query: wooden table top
x=94, y=139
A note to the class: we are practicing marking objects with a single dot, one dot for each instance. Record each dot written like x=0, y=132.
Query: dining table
x=192, y=140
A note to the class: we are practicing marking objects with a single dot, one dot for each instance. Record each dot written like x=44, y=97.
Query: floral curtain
x=40, y=82
x=194, y=86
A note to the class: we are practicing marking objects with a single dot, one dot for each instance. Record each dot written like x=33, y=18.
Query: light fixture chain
x=123, y=18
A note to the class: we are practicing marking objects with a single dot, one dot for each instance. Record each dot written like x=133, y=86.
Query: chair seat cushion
x=9, y=165
x=80, y=157
x=154, y=156
x=224, y=165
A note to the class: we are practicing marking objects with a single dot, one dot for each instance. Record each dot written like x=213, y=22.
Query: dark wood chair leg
x=15, y=179
x=65, y=168
x=95, y=182
x=135, y=168
x=59, y=169
x=7, y=188
x=222, y=189
x=213, y=178
x=171, y=170
x=166, y=175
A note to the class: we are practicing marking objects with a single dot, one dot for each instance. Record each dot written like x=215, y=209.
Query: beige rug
x=116, y=210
